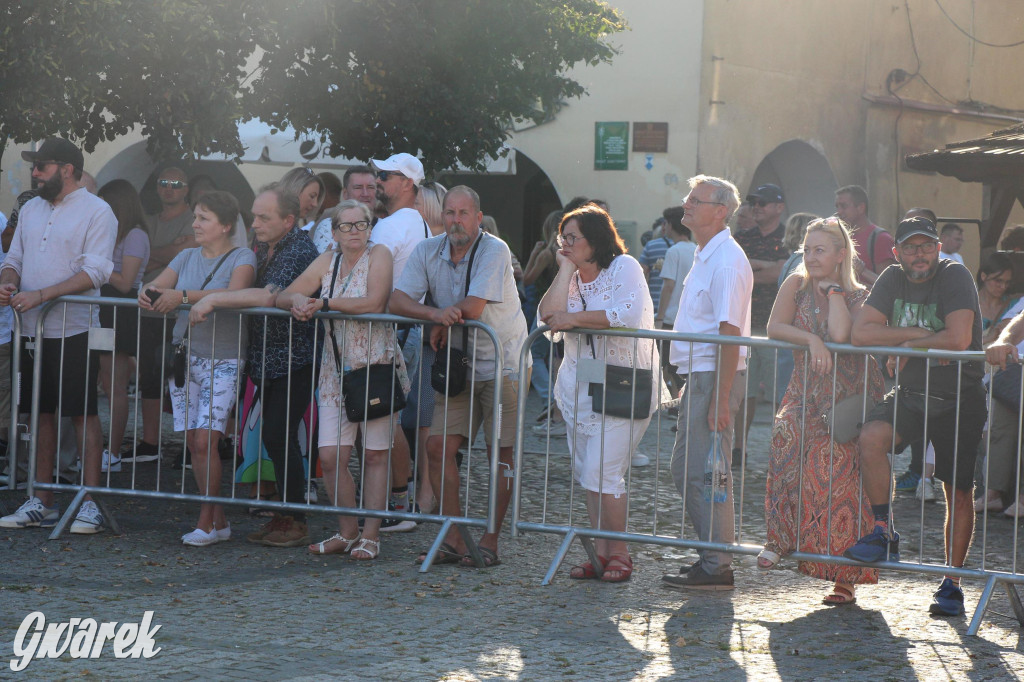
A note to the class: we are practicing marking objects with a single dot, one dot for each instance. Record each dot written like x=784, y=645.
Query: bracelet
x=834, y=290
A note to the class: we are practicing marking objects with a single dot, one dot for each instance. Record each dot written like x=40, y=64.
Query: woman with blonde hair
x=813, y=494
x=309, y=188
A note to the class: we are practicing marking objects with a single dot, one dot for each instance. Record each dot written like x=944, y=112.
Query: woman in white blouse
x=598, y=286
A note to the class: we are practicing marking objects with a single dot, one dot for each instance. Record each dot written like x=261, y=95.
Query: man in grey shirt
x=439, y=266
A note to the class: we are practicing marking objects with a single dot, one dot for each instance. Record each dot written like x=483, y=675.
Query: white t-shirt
x=676, y=266
x=952, y=256
x=400, y=232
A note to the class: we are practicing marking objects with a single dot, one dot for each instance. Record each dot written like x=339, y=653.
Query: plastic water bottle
x=716, y=472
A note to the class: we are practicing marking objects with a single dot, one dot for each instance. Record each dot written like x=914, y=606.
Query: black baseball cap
x=911, y=226
x=769, y=193
x=56, y=149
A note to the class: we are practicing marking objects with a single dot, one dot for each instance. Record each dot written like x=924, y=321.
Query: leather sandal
x=840, y=596
x=620, y=573
x=586, y=570
x=371, y=548
x=345, y=547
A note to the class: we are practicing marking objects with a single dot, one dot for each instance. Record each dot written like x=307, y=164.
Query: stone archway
x=804, y=175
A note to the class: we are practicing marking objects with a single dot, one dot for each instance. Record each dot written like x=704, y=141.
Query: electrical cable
x=968, y=34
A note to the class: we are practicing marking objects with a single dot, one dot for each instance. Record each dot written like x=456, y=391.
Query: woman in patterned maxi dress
x=814, y=502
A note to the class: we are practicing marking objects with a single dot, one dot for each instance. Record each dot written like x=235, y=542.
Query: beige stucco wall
x=655, y=77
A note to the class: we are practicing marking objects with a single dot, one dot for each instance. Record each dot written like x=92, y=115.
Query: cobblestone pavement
x=241, y=611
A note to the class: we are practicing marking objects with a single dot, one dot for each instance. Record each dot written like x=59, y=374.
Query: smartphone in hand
x=153, y=295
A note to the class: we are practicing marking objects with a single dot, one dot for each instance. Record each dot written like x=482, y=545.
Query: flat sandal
x=320, y=548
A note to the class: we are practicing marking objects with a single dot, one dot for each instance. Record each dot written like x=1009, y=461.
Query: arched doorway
x=134, y=164
x=804, y=175
x=519, y=201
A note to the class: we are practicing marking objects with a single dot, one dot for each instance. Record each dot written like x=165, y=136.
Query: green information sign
x=611, y=145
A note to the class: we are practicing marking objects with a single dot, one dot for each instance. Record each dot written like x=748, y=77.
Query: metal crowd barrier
x=132, y=483
x=556, y=512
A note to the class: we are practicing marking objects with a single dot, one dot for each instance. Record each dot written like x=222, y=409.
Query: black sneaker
x=695, y=579
x=182, y=461
x=142, y=452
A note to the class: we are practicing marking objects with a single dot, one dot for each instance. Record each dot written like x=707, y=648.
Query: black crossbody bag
x=626, y=392
x=450, y=370
x=180, y=360
x=369, y=392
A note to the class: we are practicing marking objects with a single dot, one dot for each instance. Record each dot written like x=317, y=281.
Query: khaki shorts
x=483, y=411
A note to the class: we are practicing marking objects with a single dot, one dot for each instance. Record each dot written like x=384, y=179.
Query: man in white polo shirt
x=715, y=300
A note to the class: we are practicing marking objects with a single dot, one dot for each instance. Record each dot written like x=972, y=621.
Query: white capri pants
x=336, y=430
x=585, y=450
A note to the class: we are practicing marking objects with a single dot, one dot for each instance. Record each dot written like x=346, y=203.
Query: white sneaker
x=111, y=462
x=311, y=496
x=32, y=513
x=200, y=538
x=89, y=519
x=640, y=460
x=926, y=490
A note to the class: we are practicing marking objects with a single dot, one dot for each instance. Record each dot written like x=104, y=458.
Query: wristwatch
x=184, y=297
x=327, y=305
x=834, y=289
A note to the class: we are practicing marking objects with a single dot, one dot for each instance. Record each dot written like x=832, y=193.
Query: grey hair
x=466, y=191
x=346, y=205
x=724, y=193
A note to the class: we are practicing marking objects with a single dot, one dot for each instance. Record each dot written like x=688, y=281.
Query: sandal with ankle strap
x=347, y=545
x=371, y=548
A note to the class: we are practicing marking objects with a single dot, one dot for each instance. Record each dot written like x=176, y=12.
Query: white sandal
x=767, y=559
x=321, y=547
x=367, y=546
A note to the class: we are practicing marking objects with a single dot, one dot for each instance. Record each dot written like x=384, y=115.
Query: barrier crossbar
x=557, y=512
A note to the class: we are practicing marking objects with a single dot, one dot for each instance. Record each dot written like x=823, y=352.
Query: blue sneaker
x=948, y=600
x=907, y=483
x=875, y=546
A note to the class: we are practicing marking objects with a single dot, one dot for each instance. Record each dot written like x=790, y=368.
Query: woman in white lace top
x=598, y=287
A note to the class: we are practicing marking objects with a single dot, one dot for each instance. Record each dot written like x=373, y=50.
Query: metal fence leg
x=69, y=515
x=979, y=610
x=1018, y=608
x=109, y=520
x=436, y=546
x=560, y=557
x=588, y=545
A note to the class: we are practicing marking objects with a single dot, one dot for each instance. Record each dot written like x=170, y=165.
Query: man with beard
x=398, y=182
x=442, y=267
x=64, y=245
x=924, y=302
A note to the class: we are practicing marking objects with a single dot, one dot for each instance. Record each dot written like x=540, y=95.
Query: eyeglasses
x=384, y=175
x=569, y=239
x=173, y=184
x=40, y=166
x=925, y=247
x=360, y=225
x=690, y=199
x=760, y=203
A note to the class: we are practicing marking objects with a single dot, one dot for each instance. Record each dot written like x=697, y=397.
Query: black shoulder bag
x=449, y=378
x=626, y=392
x=369, y=392
x=180, y=360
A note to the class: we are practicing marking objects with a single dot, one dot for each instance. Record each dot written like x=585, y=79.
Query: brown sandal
x=840, y=596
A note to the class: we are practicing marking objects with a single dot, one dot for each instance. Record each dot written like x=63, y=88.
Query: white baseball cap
x=406, y=164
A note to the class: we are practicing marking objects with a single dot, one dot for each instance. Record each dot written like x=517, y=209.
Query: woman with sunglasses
x=355, y=280
x=599, y=287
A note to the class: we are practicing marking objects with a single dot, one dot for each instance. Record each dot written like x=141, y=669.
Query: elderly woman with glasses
x=355, y=280
x=599, y=287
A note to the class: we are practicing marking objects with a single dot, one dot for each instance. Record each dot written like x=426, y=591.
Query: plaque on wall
x=650, y=137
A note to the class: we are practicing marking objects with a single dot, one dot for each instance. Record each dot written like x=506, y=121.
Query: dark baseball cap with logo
x=56, y=149
x=769, y=193
x=911, y=226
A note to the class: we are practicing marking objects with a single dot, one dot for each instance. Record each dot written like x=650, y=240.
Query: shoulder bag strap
x=209, y=278
x=871, y=250
x=334, y=278
x=469, y=273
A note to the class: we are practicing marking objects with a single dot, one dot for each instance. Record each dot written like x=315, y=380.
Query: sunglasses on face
x=173, y=184
x=40, y=166
x=759, y=203
x=384, y=175
x=359, y=225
